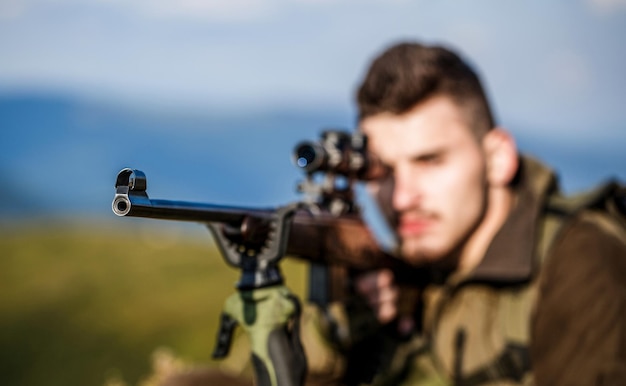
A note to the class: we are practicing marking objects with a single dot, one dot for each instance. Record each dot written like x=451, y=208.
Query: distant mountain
x=60, y=154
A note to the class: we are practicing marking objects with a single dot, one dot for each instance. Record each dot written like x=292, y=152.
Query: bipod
x=263, y=306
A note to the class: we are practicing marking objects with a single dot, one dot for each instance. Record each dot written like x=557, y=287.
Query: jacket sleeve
x=326, y=362
x=343, y=343
x=579, y=324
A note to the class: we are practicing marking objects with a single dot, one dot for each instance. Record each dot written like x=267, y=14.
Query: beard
x=439, y=247
x=419, y=253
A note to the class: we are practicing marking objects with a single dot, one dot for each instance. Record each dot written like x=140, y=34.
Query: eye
x=376, y=169
x=429, y=159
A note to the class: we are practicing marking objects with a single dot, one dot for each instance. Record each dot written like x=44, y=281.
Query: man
x=515, y=287
x=506, y=300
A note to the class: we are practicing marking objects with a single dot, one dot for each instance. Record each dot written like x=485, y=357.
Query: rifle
x=325, y=228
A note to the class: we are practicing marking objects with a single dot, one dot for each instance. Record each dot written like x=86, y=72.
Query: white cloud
x=202, y=10
x=216, y=10
x=11, y=9
x=212, y=10
x=607, y=6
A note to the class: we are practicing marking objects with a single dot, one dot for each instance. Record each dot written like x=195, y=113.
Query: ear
x=501, y=155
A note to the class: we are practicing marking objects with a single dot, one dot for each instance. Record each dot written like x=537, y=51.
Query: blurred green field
x=85, y=303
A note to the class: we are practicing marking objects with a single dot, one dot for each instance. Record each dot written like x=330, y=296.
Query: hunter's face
x=435, y=195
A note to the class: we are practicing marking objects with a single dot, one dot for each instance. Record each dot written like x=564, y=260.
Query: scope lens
x=305, y=155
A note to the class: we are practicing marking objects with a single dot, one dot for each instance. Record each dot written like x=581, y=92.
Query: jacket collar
x=511, y=255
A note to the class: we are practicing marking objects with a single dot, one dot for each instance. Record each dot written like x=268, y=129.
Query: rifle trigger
x=224, y=336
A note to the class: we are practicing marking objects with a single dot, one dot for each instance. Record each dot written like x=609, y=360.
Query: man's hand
x=381, y=293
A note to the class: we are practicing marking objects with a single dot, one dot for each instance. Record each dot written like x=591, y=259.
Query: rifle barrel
x=137, y=206
x=132, y=200
x=319, y=238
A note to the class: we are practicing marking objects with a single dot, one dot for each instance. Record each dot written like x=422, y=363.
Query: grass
x=85, y=303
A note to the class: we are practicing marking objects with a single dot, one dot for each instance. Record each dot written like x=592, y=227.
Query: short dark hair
x=409, y=73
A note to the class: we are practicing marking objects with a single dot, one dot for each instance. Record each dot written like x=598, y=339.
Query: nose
x=406, y=192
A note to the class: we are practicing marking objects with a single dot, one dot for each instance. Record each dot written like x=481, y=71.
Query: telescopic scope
x=338, y=152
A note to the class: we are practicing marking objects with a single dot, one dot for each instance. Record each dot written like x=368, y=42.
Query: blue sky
x=556, y=64
x=554, y=70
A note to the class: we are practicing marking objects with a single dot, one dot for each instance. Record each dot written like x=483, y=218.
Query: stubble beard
x=414, y=252
x=420, y=251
